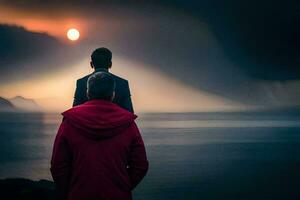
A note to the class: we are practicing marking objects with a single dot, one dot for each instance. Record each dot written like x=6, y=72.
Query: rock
x=25, y=189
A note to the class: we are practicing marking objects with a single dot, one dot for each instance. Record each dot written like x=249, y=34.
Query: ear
x=110, y=65
x=91, y=64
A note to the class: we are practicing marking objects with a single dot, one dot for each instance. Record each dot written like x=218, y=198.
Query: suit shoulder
x=83, y=80
x=119, y=79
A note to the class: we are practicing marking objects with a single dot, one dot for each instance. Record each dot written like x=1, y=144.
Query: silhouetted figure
x=98, y=151
x=101, y=61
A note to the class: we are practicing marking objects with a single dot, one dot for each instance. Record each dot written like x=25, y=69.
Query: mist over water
x=191, y=155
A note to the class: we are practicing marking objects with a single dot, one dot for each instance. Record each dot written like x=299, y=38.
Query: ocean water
x=191, y=155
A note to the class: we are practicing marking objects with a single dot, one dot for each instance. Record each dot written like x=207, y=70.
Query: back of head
x=101, y=58
x=101, y=85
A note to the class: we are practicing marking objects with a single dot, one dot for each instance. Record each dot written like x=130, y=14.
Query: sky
x=179, y=56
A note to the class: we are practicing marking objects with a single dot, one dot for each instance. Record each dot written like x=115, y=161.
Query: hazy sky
x=177, y=56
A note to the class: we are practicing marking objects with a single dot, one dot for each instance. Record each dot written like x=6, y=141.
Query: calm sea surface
x=191, y=155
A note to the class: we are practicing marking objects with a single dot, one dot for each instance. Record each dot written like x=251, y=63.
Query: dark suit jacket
x=122, y=92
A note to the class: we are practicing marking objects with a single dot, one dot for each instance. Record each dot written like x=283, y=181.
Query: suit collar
x=101, y=70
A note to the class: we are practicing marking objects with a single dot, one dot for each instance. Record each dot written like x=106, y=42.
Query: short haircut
x=101, y=85
x=101, y=58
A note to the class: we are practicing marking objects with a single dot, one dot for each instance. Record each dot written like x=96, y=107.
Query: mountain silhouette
x=25, y=104
x=19, y=104
x=6, y=105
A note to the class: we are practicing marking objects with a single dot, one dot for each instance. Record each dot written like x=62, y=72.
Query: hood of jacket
x=98, y=119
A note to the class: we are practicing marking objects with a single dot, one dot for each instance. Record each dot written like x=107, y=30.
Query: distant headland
x=19, y=104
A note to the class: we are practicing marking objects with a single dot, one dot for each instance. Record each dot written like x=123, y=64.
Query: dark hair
x=101, y=58
x=101, y=85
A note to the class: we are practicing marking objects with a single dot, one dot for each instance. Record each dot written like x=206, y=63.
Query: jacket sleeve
x=77, y=96
x=126, y=101
x=61, y=162
x=138, y=163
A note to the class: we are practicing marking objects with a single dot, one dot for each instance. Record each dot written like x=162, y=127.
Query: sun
x=73, y=34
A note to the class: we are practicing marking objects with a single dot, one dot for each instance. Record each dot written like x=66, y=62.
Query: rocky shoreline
x=25, y=189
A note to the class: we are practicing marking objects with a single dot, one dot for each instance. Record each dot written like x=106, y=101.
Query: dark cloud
x=19, y=45
x=262, y=37
x=25, y=54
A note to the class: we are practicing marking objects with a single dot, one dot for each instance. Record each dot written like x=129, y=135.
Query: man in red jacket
x=98, y=151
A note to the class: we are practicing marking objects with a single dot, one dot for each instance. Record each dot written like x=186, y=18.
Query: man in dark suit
x=101, y=62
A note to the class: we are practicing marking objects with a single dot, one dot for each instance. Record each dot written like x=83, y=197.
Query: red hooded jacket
x=98, y=153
